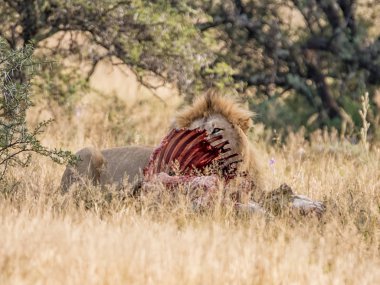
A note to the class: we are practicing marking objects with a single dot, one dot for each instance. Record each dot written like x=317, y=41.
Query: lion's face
x=222, y=115
x=216, y=124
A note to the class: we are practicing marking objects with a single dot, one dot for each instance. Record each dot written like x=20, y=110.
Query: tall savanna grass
x=93, y=236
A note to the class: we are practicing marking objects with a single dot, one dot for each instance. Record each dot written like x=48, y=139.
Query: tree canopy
x=305, y=62
x=320, y=50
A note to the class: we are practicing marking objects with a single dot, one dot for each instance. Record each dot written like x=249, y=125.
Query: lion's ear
x=245, y=124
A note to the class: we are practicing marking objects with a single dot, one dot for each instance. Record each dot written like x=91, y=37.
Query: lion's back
x=107, y=166
x=122, y=162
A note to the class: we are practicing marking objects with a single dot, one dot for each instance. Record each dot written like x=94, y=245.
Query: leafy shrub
x=17, y=142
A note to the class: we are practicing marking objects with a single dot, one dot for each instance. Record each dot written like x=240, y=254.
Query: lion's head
x=222, y=115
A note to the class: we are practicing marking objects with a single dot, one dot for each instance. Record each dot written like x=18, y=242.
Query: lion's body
x=108, y=166
x=211, y=112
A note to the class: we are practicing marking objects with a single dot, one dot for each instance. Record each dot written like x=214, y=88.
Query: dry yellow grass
x=88, y=238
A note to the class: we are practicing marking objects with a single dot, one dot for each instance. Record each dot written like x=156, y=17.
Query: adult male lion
x=211, y=112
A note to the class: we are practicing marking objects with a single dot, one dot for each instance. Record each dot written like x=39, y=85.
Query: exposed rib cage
x=185, y=152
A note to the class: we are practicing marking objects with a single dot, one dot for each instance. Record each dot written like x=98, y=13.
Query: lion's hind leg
x=90, y=165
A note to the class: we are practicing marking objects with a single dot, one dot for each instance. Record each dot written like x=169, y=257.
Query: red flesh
x=191, y=151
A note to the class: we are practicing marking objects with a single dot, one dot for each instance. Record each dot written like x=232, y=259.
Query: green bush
x=17, y=142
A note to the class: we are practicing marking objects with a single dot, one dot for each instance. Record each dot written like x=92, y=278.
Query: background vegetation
x=110, y=73
x=305, y=63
